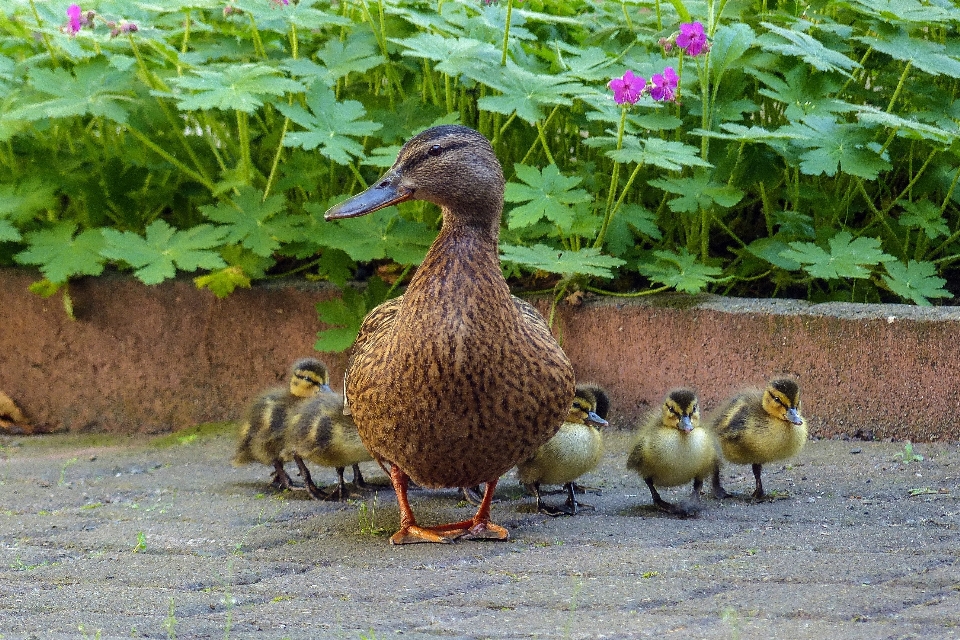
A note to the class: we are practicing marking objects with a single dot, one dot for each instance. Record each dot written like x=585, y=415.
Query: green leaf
x=727, y=46
x=587, y=262
x=223, y=282
x=93, y=89
x=20, y=202
x=330, y=125
x=547, y=195
x=61, y=255
x=357, y=54
x=925, y=55
x=909, y=11
x=240, y=87
x=680, y=271
x=157, y=256
x=454, y=56
x=771, y=250
x=524, y=92
x=848, y=257
x=381, y=234
x=916, y=281
x=793, y=42
x=832, y=144
x=346, y=313
x=905, y=127
x=667, y=154
x=698, y=192
x=924, y=215
x=254, y=222
x=628, y=219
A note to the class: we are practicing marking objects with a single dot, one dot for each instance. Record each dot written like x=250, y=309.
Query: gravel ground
x=106, y=537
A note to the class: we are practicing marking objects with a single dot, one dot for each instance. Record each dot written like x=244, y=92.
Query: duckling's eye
x=435, y=150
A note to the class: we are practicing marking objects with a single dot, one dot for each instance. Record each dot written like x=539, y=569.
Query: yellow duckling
x=756, y=427
x=318, y=431
x=573, y=451
x=671, y=449
x=457, y=381
x=261, y=434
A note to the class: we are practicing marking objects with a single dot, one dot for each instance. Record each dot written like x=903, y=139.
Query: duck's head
x=451, y=166
x=681, y=410
x=781, y=399
x=600, y=394
x=584, y=409
x=307, y=377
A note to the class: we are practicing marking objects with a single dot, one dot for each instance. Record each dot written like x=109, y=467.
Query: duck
x=260, y=438
x=317, y=431
x=573, y=451
x=456, y=381
x=671, y=448
x=756, y=427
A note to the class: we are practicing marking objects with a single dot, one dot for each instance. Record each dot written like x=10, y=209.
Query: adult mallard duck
x=457, y=381
x=671, y=449
x=756, y=427
x=573, y=451
x=317, y=431
x=261, y=434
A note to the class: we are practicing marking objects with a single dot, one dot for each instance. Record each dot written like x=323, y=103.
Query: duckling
x=603, y=410
x=420, y=384
x=317, y=431
x=755, y=427
x=575, y=450
x=261, y=434
x=671, y=449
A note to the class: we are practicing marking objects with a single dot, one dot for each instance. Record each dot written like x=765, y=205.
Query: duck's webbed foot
x=718, y=491
x=758, y=493
x=580, y=488
x=572, y=501
x=410, y=532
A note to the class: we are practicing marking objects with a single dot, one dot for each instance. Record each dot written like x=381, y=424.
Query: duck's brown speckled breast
x=458, y=383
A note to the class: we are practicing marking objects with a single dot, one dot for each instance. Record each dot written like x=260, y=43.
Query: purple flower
x=663, y=86
x=692, y=38
x=73, y=15
x=629, y=88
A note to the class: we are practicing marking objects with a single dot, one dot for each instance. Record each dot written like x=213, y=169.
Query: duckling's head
x=451, y=166
x=681, y=410
x=781, y=399
x=584, y=409
x=307, y=377
x=600, y=394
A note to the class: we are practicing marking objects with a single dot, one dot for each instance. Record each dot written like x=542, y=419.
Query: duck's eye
x=435, y=150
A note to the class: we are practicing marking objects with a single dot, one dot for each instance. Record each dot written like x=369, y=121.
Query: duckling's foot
x=281, y=479
x=579, y=488
x=718, y=491
x=552, y=511
x=472, y=495
x=358, y=480
x=572, y=499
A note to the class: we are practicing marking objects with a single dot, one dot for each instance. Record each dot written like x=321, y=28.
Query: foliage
x=806, y=149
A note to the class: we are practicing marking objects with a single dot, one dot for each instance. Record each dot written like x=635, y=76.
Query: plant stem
x=506, y=33
x=243, y=138
x=276, y=159
x=896, y=92
x=160, y=151
x=257, y=42
x=633, y=294
x=614, y=181
x=46, y=38
x=543, y=141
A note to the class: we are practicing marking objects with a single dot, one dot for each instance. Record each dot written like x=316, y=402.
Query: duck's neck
x=463, y=262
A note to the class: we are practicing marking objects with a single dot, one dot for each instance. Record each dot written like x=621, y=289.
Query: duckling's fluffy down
x=671, y=457
x=261, y=435
x=318, y=432
x=573, y=451
x=750, y=435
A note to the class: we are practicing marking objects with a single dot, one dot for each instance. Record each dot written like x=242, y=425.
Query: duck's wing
x=530, y=314
x=376, y=325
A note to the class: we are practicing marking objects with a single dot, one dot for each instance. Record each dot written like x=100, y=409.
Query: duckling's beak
x=386, y=192
x=686, y=424
x=794, y=416
x=596, y=420
x=326, y=388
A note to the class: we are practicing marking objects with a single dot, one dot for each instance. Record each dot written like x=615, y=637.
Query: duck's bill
x=794, y=416
x=686, y=424
x=596, y=420
x=386, y=192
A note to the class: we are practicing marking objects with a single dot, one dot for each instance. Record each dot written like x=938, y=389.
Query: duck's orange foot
x=486, y=531
x=414, y=534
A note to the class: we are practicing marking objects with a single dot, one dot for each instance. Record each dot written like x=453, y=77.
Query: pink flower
x=73, y=15
x=629, y=88
x=692, y=38
x=663, y=86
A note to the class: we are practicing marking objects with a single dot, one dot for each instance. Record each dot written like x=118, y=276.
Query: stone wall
x=141, y=359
